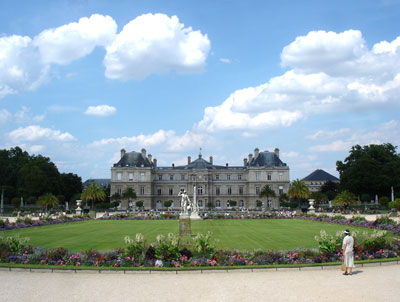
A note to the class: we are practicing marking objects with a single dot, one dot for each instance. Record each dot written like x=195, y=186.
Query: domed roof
x=133, y=159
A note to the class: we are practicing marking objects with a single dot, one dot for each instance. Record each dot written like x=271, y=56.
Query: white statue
x=185, y=202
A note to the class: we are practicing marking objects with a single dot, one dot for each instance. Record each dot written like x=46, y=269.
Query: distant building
x=216, y=185
x=317, y=179
x=104, y=182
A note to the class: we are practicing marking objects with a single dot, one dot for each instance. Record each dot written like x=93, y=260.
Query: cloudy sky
x=81, y=79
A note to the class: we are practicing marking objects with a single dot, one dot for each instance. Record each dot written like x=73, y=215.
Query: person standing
x=348, y=255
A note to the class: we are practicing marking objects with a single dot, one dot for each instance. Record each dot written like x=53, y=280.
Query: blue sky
x=79, y=80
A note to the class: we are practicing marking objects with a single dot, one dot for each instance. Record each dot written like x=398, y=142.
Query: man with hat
x=348, y=256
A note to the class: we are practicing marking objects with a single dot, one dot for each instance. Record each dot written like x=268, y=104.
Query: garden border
x=201, y=270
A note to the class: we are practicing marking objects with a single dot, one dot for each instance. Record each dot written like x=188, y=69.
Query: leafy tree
x=116, y=197
x=232, y=203
x=139, y=204
x=371, y=169
x=267, y=192
x=318, y=197
x=71, y=184
x=93, y=192
x=210, y=205
x=384, y=201
x=48, y=200
x=345, y=199
x=129, y=194
x=258, y=203
x=298, y=190
x=167, y=203
x=395, y=204
x=330, y=189
x=365, y=197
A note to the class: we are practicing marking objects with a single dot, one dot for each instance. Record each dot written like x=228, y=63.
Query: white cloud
x=154, y=44
x=331, y=73
x=36, y=133
x=225, y=60
x=101, y=110
x=328, y=134
x=4, y=116
x=20, y=66
x=24, y=116
x=383, y=133
x=72, y=41
x=291, y=154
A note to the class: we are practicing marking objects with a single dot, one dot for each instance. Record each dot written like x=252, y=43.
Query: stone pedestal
x=78, y=211
x=195, y=216
x=184, y=226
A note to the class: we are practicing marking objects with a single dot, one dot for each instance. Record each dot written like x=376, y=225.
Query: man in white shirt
x=348, y=256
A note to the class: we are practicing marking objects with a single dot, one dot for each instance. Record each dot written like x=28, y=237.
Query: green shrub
x=338, y=217
x=167, y=248
x=204, y=245
x=384, y=220
x=384, y=201
x=395, y=204
x=135, y=248
x=12, y=244
x=328, y=243
x=358, y=218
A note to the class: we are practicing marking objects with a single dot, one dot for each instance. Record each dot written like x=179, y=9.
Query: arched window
x=217, y=203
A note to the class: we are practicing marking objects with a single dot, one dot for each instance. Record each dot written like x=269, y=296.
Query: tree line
x=32, y=176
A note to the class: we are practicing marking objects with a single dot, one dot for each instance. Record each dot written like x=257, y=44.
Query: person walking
x=348, y=255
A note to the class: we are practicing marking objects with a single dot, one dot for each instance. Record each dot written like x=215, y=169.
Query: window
x=216, y=176
x=158, y=191
x=228, y=177
x=269, y=176
x=171, y=177
x=280, y=176
x=171, y=191
x=241, y=203
x=269, y=203
x=257, y=190
x=119, y=176
x=141, y=176
x=257, y=175
x=239, y=176
x=229, y=190
x=119, y=190
x=217, y=203
x=182, y=176
x=141, y=190
x=200, y=190
x=130, y=176
x=200, y=203
x=159, y=176
x=217, y=190
x=280, y=190
x=240, y=190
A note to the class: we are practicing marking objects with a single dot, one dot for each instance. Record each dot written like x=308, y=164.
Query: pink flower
x=78, y=264
x=42, y=261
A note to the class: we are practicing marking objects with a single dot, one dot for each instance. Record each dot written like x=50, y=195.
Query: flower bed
x=27, y=222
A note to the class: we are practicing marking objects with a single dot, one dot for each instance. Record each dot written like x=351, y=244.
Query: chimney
x=256, y=152
x=189, y=160
x=227, y=165
x=122, y=153
x=144, y=153
x=173, y=165
x=155, y=162
x=211, y=160
x=245, y=162
x=250, y=157
x=277, y=152
x=150, y=157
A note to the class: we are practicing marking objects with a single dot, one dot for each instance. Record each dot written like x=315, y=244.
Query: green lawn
x=239, y=234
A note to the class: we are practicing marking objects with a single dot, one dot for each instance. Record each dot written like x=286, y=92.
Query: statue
x=185, y=202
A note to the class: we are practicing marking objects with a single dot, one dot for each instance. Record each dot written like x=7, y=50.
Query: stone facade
x=216, y=185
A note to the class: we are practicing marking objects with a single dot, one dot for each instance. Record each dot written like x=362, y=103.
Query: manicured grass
x=273, y=234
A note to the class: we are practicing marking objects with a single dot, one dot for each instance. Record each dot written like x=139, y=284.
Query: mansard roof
x=134, y=159
x=320, y=175
x=266, y=158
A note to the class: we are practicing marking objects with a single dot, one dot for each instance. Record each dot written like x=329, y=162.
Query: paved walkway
x=368, y=283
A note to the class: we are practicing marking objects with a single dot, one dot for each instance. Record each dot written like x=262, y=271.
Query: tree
x=232, y=203
x=129, y=194
x=395, y=204
x=258, y=203
x=384, y=201
x=266, y=192
x=48, y=200
x=167, y=203
x=330, y=189
x=70, y=185
x=345, y=199
x=139, y=204
x=371, y=169
x=318, y=197
x=210, y=205
x=298, y=190
x=116, y=197
x=93, y=192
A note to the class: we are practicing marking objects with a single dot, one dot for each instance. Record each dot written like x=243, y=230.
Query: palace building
x=218, y=186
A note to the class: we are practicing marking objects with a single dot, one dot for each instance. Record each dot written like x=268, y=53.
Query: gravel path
x=368, y=283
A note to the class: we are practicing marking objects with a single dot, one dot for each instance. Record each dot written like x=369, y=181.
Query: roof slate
x=320, y=175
